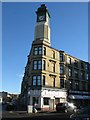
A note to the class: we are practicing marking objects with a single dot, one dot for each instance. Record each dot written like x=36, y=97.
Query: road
x=34, y=116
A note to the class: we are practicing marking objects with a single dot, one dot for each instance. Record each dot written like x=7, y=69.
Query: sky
x=69, y=32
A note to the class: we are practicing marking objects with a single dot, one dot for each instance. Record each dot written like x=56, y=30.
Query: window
x=38, y=80
x=69, y=72
x=76, y=63
x=86, y=66
x=61, y=57
x=77, y=85
x=53, y=67
x=69, y=60
x=82, y=75
x=61, y=83
x=43, y=65
x=35, y=51
x=82, y=65
x=43, y=80
x=46, y=101
x=34, y=80
x=86, y=76
x=61, y=69
x=35, y=65
x=39, y=50
x=35, y=100
x=53, y=54
x=76, y=73
x=57, y=100
x=70, y=84
x=44, y=50
x=83, y=86
x=54, y=82
x=39, y=64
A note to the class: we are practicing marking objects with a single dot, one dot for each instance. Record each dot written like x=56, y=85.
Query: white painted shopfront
x=46, y=99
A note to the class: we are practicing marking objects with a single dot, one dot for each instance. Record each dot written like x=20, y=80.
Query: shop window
x=46, y=101
x=57, y=100
x=35, y=100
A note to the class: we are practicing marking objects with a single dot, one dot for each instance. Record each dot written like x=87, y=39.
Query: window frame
x=61, y=69
x=34, y=81
x=35, y=51
x=40, y=50
x=39, y=64
x=69, y=72
x=61, y=57
x=46, y=100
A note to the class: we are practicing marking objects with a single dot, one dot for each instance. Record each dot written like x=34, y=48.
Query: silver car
x=70, y=107
x=66, y=107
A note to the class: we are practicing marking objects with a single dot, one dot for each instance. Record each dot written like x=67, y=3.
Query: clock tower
x=42, y=28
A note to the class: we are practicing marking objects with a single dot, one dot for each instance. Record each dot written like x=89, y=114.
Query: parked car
x=66, y=107
x=81, y=114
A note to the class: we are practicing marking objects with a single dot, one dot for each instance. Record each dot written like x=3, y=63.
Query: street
x=34, y=116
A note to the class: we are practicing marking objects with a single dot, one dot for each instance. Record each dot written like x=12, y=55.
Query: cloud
x=20, y=76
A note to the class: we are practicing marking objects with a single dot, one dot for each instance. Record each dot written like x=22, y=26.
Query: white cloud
x=20, y=76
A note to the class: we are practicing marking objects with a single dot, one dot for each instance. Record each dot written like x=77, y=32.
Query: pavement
x=6, y=114
x=9, y=115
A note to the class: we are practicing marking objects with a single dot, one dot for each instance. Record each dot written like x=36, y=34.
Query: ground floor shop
x=46, y=99
x=79, y=98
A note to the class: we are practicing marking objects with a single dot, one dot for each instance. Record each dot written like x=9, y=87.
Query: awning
x=78, y=97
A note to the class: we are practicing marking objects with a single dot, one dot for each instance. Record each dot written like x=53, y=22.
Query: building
x=74, y=76
x=6, y=97
x=51, y=75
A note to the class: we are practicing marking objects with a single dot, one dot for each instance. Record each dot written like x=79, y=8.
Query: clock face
x=41, y=18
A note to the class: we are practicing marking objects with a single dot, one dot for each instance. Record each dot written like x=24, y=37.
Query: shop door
x=51, y=104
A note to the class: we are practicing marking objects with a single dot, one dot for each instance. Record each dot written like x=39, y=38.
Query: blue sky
x=69, y=32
